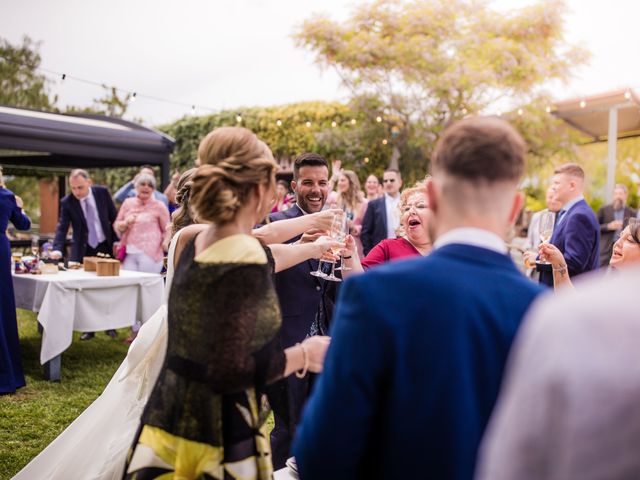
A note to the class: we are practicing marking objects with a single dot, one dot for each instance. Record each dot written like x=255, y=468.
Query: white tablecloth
x=82, y=301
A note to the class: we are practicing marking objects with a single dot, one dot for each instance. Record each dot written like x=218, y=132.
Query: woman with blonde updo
x=205, y=417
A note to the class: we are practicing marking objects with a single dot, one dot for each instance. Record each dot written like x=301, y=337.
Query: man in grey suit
x=612, y=219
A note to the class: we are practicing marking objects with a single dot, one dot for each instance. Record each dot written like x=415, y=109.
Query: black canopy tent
x=51, y=140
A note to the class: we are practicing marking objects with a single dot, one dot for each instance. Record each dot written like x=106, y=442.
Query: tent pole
x=612, y=141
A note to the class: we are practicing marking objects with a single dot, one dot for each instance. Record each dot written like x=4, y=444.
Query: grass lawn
x=37, y=413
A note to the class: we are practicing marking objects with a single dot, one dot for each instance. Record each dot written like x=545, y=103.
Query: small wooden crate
x=90, y=263
x=108, y=267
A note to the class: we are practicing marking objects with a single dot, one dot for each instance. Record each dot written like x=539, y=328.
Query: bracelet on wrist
x=301, y=373
x=562, y=269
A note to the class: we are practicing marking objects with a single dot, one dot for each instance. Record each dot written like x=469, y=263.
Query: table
x=82, y=301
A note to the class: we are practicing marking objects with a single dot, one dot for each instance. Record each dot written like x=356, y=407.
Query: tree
x=423, y=64
x=20, y=83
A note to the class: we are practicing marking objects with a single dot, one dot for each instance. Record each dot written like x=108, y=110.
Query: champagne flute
x=547, y=220
x=344, y=226
x=338, y=234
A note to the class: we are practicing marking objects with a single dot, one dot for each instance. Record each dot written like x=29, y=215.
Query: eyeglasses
x=389, y=180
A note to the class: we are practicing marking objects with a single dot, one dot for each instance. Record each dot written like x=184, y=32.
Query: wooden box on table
x=107, y=267
x=90, y=263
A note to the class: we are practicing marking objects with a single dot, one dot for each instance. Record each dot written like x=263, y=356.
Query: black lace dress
x=205, y=417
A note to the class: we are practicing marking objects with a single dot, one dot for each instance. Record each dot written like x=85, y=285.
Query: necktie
x=90, y=214
x=559, y=216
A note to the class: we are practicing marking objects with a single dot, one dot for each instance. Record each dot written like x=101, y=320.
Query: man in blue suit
x=302, y=297
x=419, y=346
x=382, y=217
x=91, y=212
x=577, y=230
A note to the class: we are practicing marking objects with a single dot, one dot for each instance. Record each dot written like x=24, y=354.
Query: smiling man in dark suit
x=577, y=232
x=382, y=217
x=418, y=346
x=91, y=212
x=301, y=297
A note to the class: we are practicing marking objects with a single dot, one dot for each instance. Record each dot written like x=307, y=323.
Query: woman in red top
x=413, y=236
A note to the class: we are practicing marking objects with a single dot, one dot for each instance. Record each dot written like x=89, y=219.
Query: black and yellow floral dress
x=205, y=417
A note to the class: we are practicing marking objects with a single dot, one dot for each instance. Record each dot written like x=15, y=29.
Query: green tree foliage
x=423, y=64
x=20, y=83
x=329, y=128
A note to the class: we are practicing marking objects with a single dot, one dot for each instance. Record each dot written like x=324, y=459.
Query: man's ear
x=516, y=206
x=294, y=184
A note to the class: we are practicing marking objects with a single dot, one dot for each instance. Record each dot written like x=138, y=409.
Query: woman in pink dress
x=413, y=236
x=141, y=224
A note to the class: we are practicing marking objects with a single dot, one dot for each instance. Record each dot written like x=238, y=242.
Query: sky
x=226, y=54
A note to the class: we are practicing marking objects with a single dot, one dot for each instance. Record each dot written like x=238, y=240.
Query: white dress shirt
x=476, y=237
x=393, y=214
x=97, y=226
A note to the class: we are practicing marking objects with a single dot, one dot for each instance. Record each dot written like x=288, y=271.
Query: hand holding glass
x=547, y=220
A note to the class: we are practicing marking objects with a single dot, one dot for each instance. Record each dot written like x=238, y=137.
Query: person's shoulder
x=100, y=188
x=292, y=212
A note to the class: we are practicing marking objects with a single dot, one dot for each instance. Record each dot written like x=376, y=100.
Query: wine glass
x=35, y=245
x=547, y=220
x=337, y=233
x=344, y=227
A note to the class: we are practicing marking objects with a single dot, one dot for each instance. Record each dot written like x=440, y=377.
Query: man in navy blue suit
x=91, y=212
x=419, y=346
x=302, y=297
x=382, y=217
x=577, y=230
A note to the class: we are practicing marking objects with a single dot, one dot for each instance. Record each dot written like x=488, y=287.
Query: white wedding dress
x=95, y=445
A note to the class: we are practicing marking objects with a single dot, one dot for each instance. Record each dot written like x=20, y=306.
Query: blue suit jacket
x=577, y=236
x=374, y=224
x=414, y=368
x=71, y=214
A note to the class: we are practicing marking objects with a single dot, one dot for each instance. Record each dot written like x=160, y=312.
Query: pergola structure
x=604, y=117
x=32, y=140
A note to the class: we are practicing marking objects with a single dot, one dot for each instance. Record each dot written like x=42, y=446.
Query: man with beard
x=302, y=298
x=612, y=219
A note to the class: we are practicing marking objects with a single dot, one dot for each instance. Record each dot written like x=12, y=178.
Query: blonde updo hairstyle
x=232, y=162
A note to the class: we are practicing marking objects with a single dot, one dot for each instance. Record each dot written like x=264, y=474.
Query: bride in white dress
x=95, y=445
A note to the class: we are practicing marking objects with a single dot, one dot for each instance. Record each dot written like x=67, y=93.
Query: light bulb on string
x=520, y=112
x=239, y=118
x=385, y=141
x=627, y=94
x=353, y=121
x=334, y=124
x=366, y=159
x=132, y=98
x=583, y=103
x=548, y=109
x=378, y=119
x=193, y=109
x=279, y=122
x=308, y=124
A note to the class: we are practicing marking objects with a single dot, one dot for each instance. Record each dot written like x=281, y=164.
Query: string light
x=132, y=98
x=353, y=121
x=308, y=124
x=334, y=124
x=378, y=119
x=520, y=111
x=193, y=109
x=548, y=109
x=627, y=94
x=279, y=122
x=239, y=118
x=366, y=159
x=583, y=104
x=385, y=141
x=464, y=111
